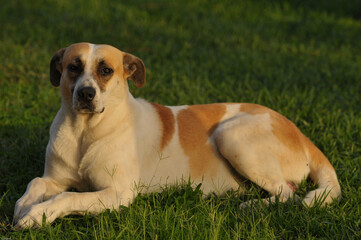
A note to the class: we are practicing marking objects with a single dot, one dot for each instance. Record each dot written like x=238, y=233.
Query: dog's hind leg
x=248, y=143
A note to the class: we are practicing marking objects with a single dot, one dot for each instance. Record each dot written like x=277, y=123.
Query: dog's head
x=89, y=74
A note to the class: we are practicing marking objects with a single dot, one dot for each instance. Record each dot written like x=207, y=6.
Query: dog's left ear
x=134, y=69
x=55, y=67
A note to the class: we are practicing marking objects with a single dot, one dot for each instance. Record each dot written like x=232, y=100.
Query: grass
x=301, y=58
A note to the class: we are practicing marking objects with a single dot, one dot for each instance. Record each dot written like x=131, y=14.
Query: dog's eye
x=106, y=71
x=73, y=68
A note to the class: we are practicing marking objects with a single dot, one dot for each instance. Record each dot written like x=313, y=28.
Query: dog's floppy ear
x=55, y=67
x=134, y=69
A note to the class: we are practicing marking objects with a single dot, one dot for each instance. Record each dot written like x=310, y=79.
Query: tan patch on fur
x=111, y=58
x=292, y=153
x=167, y=118
x=196, y=124
x=97, y=68
x=71, y=53
x=253, y=109
x=285, y=131
x=74, y=51
x=318, y=159
x=291, y=137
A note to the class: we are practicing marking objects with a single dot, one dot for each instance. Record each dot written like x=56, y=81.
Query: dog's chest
x=86, y=157
x=69, y=155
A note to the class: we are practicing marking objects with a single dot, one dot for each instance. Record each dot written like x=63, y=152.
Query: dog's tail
x=324, y=175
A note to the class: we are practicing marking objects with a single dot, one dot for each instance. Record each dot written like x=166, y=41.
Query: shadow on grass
x=21, y=159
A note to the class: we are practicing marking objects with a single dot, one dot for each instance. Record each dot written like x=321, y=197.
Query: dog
x=105, y=144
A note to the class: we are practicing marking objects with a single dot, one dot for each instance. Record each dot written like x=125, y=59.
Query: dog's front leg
x=38, y=190
x=74, y=203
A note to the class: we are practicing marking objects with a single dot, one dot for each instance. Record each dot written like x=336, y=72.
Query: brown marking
x=291, y=137
x=79, y=50
x=318, y=159
x=134, y=69
x=100, y=75
x=72, y=55
x=123, y=64
x=167, y=118
x=107, y=57
x=285, y=131
x=253, y=109
x=59, y=63
x=195, y=125
x=287, y=134
x=75, y=68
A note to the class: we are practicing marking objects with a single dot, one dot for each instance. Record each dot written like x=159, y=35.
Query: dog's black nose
x=86, y=94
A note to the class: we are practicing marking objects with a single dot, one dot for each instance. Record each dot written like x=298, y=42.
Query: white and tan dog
x=104, y=143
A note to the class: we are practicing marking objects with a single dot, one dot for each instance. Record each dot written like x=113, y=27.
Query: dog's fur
x=104, y=143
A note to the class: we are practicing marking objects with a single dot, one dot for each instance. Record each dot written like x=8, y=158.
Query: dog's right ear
x=56, y=68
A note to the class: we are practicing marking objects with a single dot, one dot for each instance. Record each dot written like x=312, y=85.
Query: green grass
x=301, y=58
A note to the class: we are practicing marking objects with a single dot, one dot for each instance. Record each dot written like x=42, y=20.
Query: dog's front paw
x=23, y=205
x=31, y=219
x=34, y=217
x=21, y=208
x=28, y=222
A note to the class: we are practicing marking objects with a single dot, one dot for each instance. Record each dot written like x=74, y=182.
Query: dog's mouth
x=86, y=108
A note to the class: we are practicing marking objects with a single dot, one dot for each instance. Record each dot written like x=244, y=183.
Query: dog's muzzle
x=85, y=97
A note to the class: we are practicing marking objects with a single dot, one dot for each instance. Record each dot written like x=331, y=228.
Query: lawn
x=300, y=58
